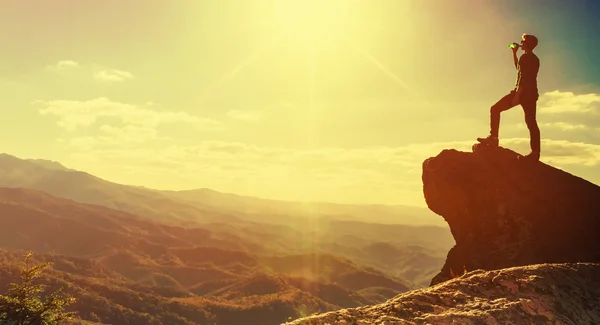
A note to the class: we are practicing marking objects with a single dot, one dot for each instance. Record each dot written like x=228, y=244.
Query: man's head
x=528, y=42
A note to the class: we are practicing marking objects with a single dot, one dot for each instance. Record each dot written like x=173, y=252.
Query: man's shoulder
x=530, y=57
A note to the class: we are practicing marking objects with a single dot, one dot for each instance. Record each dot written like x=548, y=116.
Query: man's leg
x=530, y=108
x=505, y=103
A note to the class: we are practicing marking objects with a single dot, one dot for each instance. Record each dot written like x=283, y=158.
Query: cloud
x=564, y=115
x=63, y=65
x=557, y=102
x=561, y=153
x=112, y=75
x=370, y=174
x=96, y=71
x=564, y=126
x=243, y=115
x=128, y=134
x=113, y=137
x=81, y=114
x=382, y=174
x=561, y=126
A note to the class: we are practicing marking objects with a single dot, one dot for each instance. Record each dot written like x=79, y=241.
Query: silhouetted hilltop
x=506, y=212
x=534, y=294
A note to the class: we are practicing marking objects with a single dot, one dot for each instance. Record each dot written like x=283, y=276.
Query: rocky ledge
x=506, y=212
x=534, y=294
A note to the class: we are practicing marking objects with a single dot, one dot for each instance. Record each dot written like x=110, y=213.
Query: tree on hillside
x=23, y=303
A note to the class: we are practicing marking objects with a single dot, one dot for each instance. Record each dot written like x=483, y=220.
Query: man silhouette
x=524, y=93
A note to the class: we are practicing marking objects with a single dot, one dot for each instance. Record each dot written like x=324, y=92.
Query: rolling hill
x=123, y=267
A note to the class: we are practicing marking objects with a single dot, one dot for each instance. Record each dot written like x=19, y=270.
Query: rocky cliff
x=506, y=212
x=527, y=237
x=534, y=294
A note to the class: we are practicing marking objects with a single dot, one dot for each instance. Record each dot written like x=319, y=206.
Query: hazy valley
x=197, y=257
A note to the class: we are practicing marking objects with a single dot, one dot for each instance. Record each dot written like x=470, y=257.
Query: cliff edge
x=505, y=212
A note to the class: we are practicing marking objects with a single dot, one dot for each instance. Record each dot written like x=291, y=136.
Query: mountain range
x=201, y=256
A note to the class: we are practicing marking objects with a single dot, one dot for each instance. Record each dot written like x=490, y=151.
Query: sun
x=313, y=23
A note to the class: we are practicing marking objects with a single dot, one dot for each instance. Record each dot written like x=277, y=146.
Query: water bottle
x=513, y=45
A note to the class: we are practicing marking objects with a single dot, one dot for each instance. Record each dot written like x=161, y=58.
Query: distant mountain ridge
x=83, y=187
x=49, y=164
x=185, y=206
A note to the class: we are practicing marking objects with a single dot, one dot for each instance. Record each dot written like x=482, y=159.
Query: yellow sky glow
x=337, y=100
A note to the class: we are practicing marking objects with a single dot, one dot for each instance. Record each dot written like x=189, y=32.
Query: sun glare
x=312, y=29
x=313, y=22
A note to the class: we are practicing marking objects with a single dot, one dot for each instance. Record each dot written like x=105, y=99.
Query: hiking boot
x=489, y=140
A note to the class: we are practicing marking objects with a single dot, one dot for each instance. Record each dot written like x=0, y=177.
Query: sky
x=337, y=100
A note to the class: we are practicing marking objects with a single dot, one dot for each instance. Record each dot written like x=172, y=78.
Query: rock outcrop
x=506, y=212
x=534, y=294
x=527, y=247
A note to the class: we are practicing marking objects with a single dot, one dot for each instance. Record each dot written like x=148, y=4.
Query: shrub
x=23, y=303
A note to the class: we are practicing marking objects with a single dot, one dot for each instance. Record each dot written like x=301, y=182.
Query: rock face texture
x=535, y=294
x=505, y=212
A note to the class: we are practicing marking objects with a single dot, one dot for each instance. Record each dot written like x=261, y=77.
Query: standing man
x=524, y=93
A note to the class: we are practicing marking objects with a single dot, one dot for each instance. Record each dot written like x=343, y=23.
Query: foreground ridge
x=535, y=294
